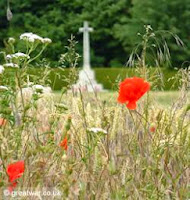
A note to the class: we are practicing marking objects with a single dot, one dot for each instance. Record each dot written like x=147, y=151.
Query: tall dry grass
x=113, y=153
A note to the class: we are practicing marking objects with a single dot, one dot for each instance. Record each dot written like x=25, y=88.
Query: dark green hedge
x=160, y=79
x=109, y=77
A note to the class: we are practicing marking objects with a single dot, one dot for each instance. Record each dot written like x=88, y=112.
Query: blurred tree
x=170, y=15
x=59, y=19
x=115, y=23
x=103, y=14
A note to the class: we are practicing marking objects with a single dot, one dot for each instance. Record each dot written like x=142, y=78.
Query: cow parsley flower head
x=1, y=69
x=11, y=65
x=97, y=130
x=18, y=55
x=8, y=57
x=31, y=37
x=41, y=89
x=47, y=41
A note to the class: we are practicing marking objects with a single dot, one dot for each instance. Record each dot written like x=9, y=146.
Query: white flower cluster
x=18, y=55
x=31, y=37
x=11, y=65
x=47, y=40
x=1, y=69
x=97, y=130
x=41, y=89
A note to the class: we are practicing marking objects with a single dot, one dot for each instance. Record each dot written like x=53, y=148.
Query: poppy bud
x=3, y=122
x=152, y=128
x=64, y=144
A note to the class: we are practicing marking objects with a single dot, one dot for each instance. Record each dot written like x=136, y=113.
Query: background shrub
x=109, y=77
x=115, y=23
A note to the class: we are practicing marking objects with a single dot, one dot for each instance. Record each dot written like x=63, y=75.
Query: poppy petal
x=132, y=105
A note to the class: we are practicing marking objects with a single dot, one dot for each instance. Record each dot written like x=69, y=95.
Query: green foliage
x=60, y=18
x=111, y=77
x=58, y=77
x=161, y=15
x=116, y=24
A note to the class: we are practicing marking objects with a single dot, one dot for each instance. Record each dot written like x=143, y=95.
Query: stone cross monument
x=86, y=45
x=86, y=80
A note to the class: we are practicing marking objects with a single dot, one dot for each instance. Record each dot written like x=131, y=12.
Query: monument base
x=87, y=82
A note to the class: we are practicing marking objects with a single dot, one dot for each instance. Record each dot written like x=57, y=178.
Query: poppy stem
x=145, y=121
x=142, y=116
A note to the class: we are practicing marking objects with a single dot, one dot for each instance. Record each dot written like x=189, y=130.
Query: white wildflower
x=41, y=89
x=1, y=69
x=11, y=65
x=97, y=130
x=47, y=40
x=165, y=142
x=21, y=55
x=3, y=88
x=18, y=55
x=31, y=37
x=8, y=57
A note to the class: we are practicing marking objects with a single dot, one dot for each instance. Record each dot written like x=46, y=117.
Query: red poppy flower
x=131, y=90
x=152, y=128
x=3, y=122
x=15, y=171
x=63, y=144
